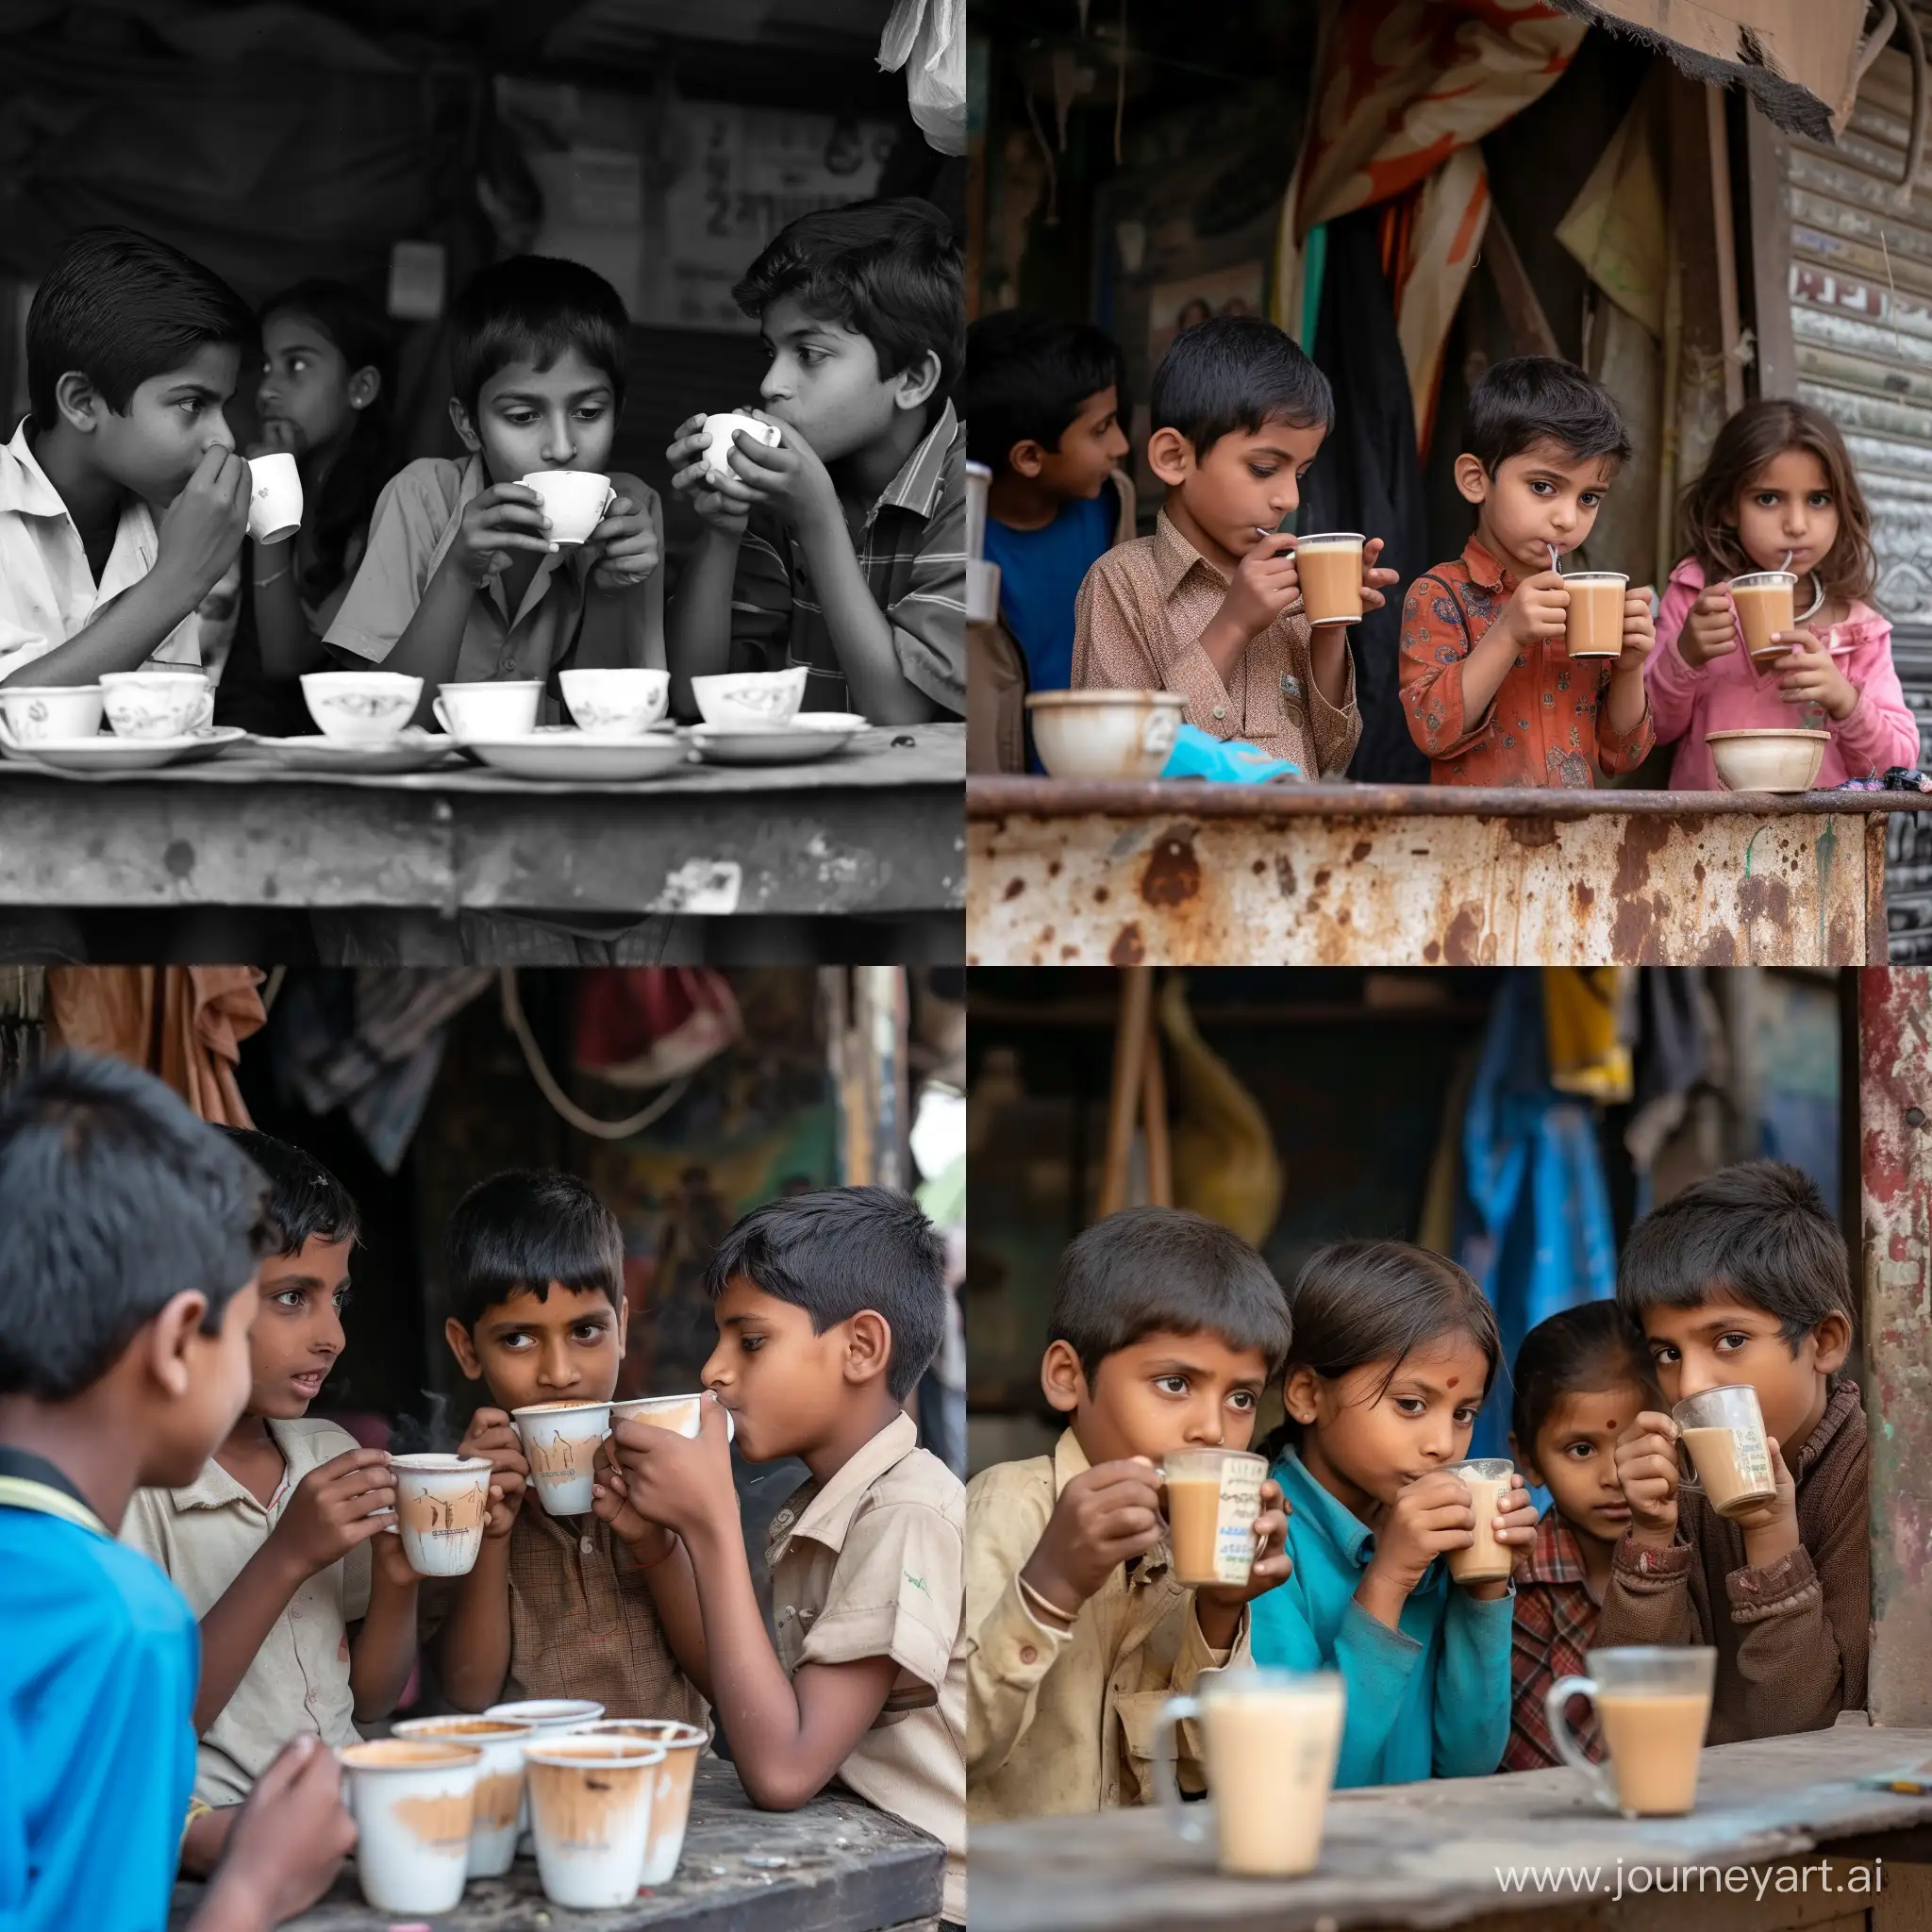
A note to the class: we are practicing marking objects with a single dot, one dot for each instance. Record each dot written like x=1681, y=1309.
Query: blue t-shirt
x=1040, y=572
x=99, y=1658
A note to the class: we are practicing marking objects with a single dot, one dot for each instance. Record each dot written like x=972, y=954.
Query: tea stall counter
x=874, y=829
x=1469, y=1851
x=1069, y=873
x=836, y=1865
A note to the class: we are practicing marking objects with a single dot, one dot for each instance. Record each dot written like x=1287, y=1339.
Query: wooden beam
x=1724, y=240
x=1524, y=312
x=1768, y=191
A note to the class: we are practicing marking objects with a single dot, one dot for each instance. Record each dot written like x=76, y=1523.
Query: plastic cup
x=683, y=1414
x=1213, y=1497
x=413, y=1800
x=683, y=1745
x=499, y=1782
x=591, y=1803
x=561, y=1440
x=441, y=1502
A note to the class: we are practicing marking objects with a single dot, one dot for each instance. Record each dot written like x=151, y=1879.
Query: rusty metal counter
x=1063, y=873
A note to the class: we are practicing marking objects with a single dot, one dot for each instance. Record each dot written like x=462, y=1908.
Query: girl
x=325, y=396
x=1581, y=1379
x=1395, y=1349
x=1779, y=483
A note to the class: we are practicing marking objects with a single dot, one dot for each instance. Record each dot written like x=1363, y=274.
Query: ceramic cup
x=616, y=704
x=683, y=1745
x=550, y=1715
x=275, y=497
x=719, y=431
x=506, y=709
x=575, y=501
x=738, y=698
x=361, y=707
x=413, y=1800
x=33, y=713
x=561, y=1440
x=591, y=1803
x=680, y=1412
x=157, y=703
x=499, y=1782
x=441, y=1502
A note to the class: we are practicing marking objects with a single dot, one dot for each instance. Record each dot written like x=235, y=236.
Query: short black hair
x=123, y=308
x=1161, y=1271
x=840, y=1250
x=534, y=309
x=519, y=1232
x=1530, y=399
x=1578, y=1351
x=114, y=1199
x=890, y=270
x=1028, y=376
x=304, y=1200
x=1237, y=372
x=1758, y=1233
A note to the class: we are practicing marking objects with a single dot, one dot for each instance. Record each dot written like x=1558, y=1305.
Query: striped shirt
x=912, y=550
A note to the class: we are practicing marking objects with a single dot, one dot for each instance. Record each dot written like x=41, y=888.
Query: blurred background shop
x=1481, y=180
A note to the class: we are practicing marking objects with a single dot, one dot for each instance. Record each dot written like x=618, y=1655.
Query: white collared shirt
x=47, y=591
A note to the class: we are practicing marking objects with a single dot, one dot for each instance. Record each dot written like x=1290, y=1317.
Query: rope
x=561, y=1101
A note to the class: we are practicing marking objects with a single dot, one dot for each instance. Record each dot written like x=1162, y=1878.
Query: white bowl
x=616, y=704
x=750, y=697
x=34, y=711
x=492, y=710
x=1767, y=758
x=157, y=703
x=1106, y=734
x=361, y=707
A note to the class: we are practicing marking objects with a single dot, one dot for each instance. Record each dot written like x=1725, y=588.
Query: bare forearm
x=124, y=638
x=861, y=632
x=238, y=1624
x=1328, y=658
x=1623, y=706
x=431, y=642
x=673, y=1590
x=473, y=1653
x=1484, y=670
x=698, y=626
x=383, y=1652
x=289, y=647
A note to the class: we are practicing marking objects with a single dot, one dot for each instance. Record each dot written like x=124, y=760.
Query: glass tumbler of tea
x=1653, y=1705
x=1722, y=1432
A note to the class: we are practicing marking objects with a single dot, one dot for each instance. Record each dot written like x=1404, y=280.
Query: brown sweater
x=1792, y=1637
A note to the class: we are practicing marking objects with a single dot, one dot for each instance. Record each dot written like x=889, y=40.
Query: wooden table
x=873, y=830
x=835, y=1865
x=1429, y=1855
x=1064, y=874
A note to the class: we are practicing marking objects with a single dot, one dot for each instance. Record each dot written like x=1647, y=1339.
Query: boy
x=829, y=1307
x=556, y=1606
x=307, y=1610
x=132, y=353
x=1743, y=1278
x=1165, y=1330
x=1209, y=605
x=1491, y=690
x=1044, y=402
x=460, y=582
x=843, y=549
x=130, y=1233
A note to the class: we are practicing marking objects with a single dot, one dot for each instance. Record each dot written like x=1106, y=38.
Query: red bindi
x=1454, y=1380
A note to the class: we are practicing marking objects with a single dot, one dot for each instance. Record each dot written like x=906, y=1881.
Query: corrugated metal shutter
x=1861, y=322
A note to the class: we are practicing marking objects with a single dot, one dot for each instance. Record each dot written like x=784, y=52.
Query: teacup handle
x=203, y=711
x=442, y=716
x=1188, y=1822
x=1555, y=1701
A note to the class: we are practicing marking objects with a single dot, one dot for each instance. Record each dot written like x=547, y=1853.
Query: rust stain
x=1531, y=831
x=1433, y=951
x=1359, y=851
x=1053, y=869
x=1284, y=876
x=1634, y=938
x=1014, y=887
x=1259, y=868
x=1322, y=878
x=1721, y=949
x=1068, y=952
x=1128, y=949
x=1643, y=839
x=1100, y=895
x=1172, y=874
x=1462, y=942
x=1585, y=896
x=1766, y=897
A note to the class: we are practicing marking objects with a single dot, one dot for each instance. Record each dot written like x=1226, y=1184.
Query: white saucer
x=105, y=752
x=810, y=735
x=412, y=749
x=560, y=751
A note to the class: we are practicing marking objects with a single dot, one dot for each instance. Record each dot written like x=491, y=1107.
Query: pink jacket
x=1725, y=694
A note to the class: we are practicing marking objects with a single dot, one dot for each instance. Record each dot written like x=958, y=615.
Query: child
x=1492, y=693
x=1166, y=1328
x=132, y=353
x=327, y=371
x=1743, y=1278
x=1395, y=1350
x=460, y=582
x=829, y=1307
x=1779, y=492
x=1209, y=605
x=1581, y=1378
x=128, y=1240
x=844, y=548
x=1043, y=403
x=307, y=1610
x=556, y=1606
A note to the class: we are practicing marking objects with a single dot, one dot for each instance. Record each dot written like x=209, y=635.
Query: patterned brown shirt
x=1138, y=626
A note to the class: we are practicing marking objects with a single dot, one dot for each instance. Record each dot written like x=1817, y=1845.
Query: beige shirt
x=561, y=617
x=1067, y=1719
x=1138, y=625
x=47, y=591
x=873, y=1565
x=202, y=1536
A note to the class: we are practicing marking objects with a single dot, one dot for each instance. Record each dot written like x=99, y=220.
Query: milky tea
x=1765, y=605
x=1213, y=1497
x=1330, y=570
x=1596, y=613
x=1487, y=1480
x=1653, y=1703
x=1723, y=1431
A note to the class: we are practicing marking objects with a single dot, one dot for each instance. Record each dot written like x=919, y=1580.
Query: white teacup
x=488, y=711
x=681, y=1414
x=34, y=713
x=442, y=1503
x=719, y=431
x=562, y=1439
x=616, y=704
x=157, y=703
x=499, y=1807
x=683, y=1745
x=575, y=501
x=591, y=1803
x=361, y=707
x=275, y=497
x=738, y=698
x=414, y=1801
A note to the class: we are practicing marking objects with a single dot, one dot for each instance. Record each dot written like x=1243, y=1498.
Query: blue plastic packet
x=1196, y=754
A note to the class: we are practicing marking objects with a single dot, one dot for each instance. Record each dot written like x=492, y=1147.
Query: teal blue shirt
x=1430, y=1699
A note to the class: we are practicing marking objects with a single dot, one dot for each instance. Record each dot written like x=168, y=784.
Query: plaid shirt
x=1546, y=724
x=1555, y=1623
x=912, y=550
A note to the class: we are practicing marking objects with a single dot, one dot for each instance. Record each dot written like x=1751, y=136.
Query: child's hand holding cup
x=1647, y=1467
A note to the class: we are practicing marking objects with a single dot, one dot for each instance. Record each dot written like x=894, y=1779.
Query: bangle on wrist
x=261, y=583
x=1044, y=1605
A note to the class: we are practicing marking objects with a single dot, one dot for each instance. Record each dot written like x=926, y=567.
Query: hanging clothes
x=644, y=1025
